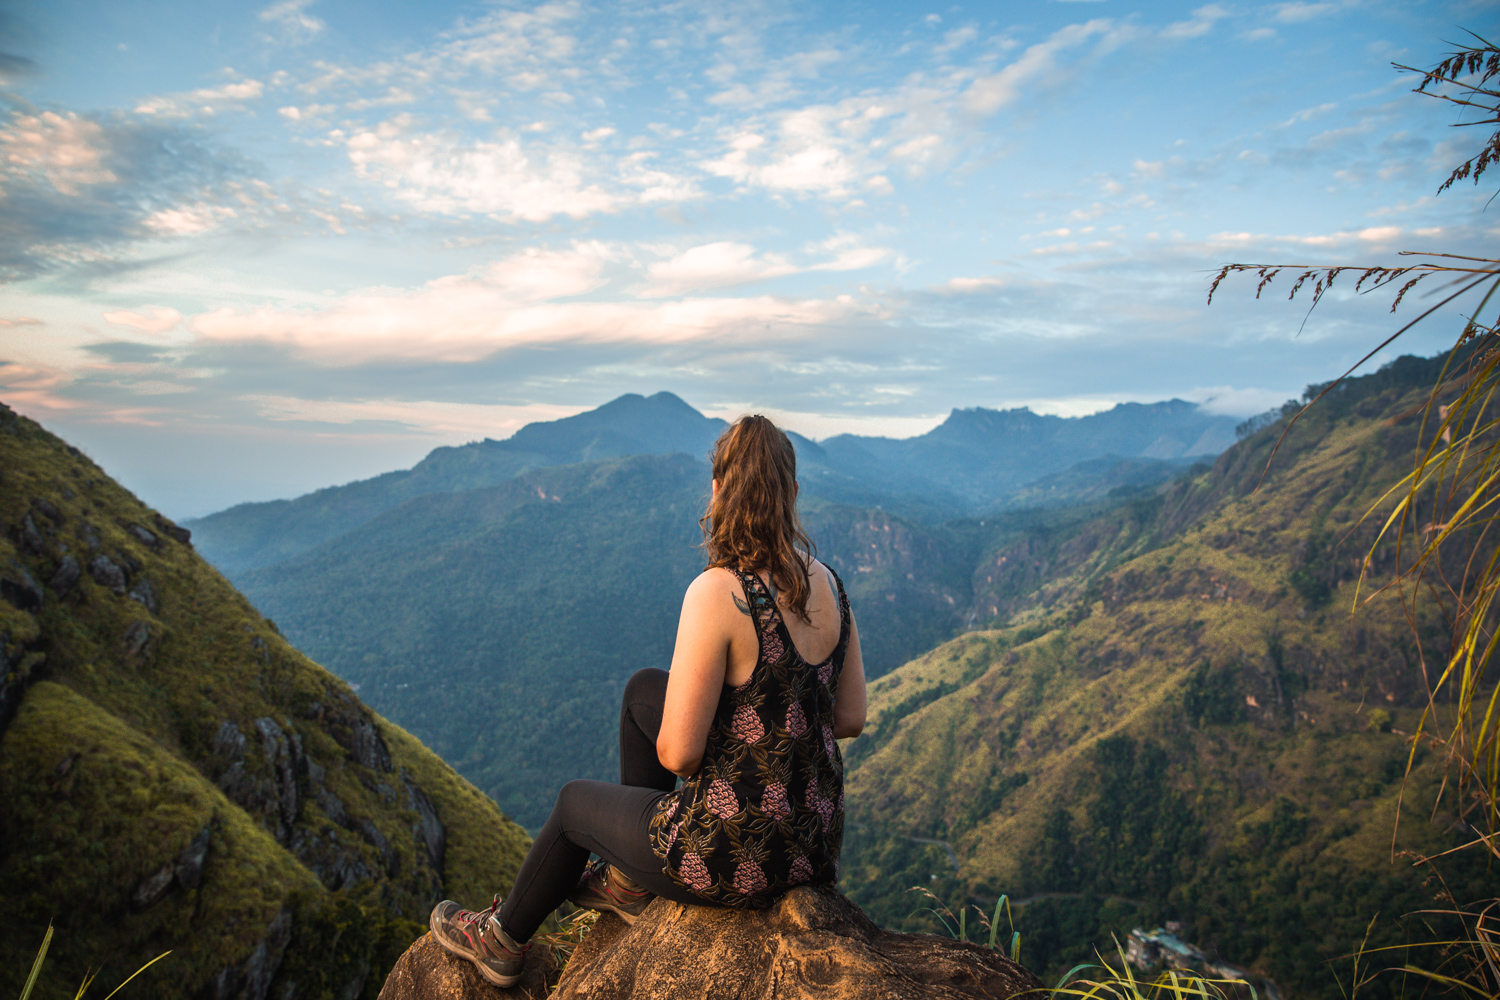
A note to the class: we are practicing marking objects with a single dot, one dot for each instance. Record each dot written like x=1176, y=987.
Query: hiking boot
x=478, y=936
x=605, y=887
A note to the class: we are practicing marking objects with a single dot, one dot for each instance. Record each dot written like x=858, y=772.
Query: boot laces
x=482, y=918
x=478, y=916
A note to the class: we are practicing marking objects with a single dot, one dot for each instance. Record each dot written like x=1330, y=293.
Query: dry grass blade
x=566, y=939
x=137, y=972
x=1472, y=278
x=36, y=966
x=1122, y=984
x=88, y=979
x=1440, y=518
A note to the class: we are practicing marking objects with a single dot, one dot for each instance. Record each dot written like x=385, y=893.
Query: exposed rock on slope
x=176, y=776
x=814, y=943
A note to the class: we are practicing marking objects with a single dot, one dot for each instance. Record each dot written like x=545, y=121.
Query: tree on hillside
x=1441, y=515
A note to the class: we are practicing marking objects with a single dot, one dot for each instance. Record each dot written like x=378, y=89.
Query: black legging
x=612, y=821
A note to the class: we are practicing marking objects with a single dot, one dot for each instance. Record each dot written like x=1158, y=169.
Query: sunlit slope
x=176, y=776
x=1199, y=732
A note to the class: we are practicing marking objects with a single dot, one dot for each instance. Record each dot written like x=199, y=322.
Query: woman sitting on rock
x=765, y=676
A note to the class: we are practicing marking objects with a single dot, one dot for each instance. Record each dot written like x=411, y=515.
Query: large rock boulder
x=428, y=972
x=813, y=943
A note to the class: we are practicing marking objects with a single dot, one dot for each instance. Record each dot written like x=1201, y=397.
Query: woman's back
x=814, y=638
x=764, y=810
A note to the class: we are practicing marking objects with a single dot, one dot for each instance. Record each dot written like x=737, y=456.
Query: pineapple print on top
x=765, y=812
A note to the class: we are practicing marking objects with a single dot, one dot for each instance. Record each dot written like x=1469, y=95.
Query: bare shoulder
x=712, y=586
x=715, y=594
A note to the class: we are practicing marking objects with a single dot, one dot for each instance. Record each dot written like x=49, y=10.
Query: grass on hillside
x=1202, y=734
x=109, y=765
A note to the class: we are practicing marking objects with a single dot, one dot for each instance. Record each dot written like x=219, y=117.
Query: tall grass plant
x=88, y=979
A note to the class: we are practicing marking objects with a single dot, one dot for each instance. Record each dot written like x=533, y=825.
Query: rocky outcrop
x=185, y=871
x=21, y=660
x=107, y=573
x=271, y=794
x=181, y=534
x=427, y=972
x=252, y=978
x=429, y=829
x=20, y=588
x=813, y=943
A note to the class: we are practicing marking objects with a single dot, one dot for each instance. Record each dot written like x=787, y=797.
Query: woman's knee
x=573, y=803
x=572, y=793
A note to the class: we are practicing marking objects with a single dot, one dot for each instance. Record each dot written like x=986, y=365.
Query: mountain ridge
x=911, y=476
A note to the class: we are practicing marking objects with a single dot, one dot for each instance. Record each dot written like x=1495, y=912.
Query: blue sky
x=253, y=249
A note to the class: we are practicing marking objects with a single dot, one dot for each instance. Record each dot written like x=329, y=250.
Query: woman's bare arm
x=849, y=703
x=704, y=634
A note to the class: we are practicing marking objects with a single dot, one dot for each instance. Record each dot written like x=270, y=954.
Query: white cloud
x=448, y=419
x=1071, y=406
x=1292, y=13
x=517, y=302
x=291, y=16
x=1383, y=237
x=159, y=320
x=66, y=151
x=206, y=100
x=1202, y=23
x=1229, y=401
x=651, y=185
x=845, y=148
x=839, y=150
x=971, y=286
x=808, y=156
x=33, y=388
x=507, y=178
x=723, y=264
x=955, y=40
x=713, y=265
x=187, y=220
x=988, y=94
x=1307, y=114
x=306, y=112
x=500, y=178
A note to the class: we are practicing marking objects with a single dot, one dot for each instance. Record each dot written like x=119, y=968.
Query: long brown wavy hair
x=751, y=523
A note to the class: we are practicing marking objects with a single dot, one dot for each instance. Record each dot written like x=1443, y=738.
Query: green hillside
x=177, y=776
x=1182, y=724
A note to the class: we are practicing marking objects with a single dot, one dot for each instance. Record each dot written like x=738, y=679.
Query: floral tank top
x=765, y=810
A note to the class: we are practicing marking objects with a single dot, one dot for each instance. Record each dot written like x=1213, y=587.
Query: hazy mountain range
x=971, y=464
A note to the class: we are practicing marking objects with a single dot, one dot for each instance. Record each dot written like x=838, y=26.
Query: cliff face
x=176, y=776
